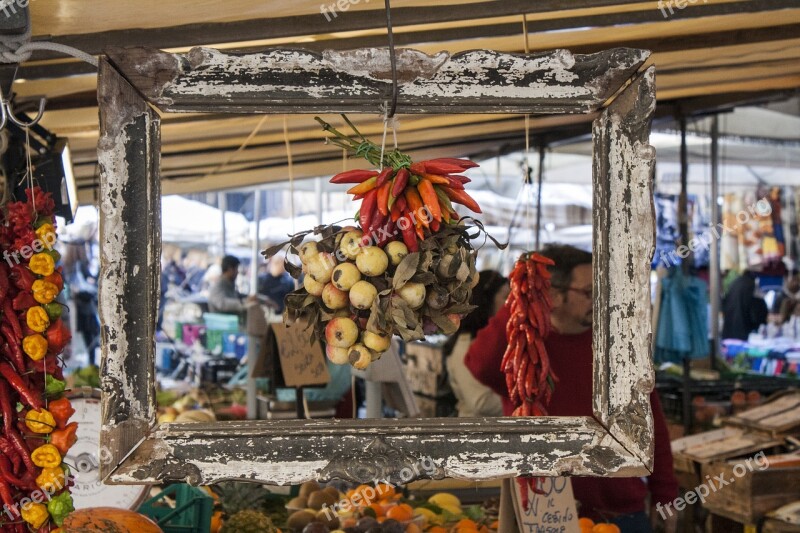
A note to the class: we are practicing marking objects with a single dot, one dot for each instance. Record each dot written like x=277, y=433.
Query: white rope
x=18, y=49
x=291, y=168
x=385, y=129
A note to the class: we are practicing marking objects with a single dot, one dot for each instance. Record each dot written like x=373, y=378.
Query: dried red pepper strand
x=3, y=281
x=13, y=353
x=32, y=399
x=24, y=301
x=6, y=407
x=5, y=494
x=22, y=277
x=9, y=451
x=8, y=475
x=22, y=449
x=10, y=316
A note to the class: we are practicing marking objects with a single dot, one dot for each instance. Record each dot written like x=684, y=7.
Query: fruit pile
x=587, y=525
x=407, y=269
x=36, y=434
x=381, y=509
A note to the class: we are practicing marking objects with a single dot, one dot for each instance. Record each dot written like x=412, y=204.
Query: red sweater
x=571, y=360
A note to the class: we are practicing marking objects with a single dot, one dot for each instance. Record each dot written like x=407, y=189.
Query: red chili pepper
x=462, y=179
x=22, y=449
x=7, y=472
x=367, y=209
x=49, y=365
x=383, y=198
x=387, y=234
x=400, y=182
x=417, y=168
x=454, y=183
x=22, y=277
x=435, y=225
x=24, y=301
x=11, y=316
x=395, y=212
x=385, y=175
x=402, y=205
x=5, y=494
x=61, y=410
x=353, y=176
x=462, y=198
x=438, y=167
x=463, y=163
x=58, y=335
x=358, y=197
x=8, y=450
x=409, y=236
x=32, y=399
x=3, y=281
x=6, y=407
x=56, y=279
x=13, y=353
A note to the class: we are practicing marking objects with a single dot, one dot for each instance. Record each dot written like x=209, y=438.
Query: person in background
x=223, y=296
x=474, y=398
x=622, y=501
x=275, y=284
x=743, y=310
x=785, y=305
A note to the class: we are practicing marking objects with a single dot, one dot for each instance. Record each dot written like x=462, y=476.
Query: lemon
x=444, y=499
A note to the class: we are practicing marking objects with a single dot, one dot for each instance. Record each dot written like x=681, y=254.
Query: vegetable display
x=407, y=265
x=36, y=432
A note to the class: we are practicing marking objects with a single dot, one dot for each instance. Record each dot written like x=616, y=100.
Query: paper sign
x=302, y=363
x=551, y=512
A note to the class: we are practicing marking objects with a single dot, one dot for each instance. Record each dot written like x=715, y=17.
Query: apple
x=375, y=342
x=413, y=294
x=350, y=244
x=333, y=298
x=311, y=286
x=345, y=275
x=396, y=251
x=307, y=251
x=337, y=356
x=320, y=267
x=372, y=261
x=341, y=332
x=362, y=294
x=437, y=298
x=360, y=356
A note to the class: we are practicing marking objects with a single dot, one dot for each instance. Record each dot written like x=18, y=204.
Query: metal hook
x=23, y=124
x=3, y=114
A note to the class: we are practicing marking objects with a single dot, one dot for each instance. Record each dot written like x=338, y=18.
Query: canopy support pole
x=252, y=355
x=683, y=230
x=715, y=292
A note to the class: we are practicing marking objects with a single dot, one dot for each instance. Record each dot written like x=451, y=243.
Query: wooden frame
x=609, y=87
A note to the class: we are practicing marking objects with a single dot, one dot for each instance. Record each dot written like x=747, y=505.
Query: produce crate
x=752, y=494
x=424, y=369
x=221, y=321
x=190, y=514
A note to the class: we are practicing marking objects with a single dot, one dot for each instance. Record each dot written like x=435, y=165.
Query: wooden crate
x=690, y=453
x=424, y=367
x=783, y=520
x=779, y=415
x=749, y=494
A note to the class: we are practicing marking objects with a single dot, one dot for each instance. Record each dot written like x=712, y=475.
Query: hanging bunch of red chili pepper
x=529, y=378
x=415, y=198
x=36, y=432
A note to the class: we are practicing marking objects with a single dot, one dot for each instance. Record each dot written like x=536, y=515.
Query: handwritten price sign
x=302, y=363
x=551, y=512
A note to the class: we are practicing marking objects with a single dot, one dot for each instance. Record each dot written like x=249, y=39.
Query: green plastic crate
x=214, y=339
x=191, y=514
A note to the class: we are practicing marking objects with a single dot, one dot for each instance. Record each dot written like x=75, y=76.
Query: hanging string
x=29, y=163
x=526, y=183
x=385, y=129
x=222, y=166
x=392, y=59
x=291, y=169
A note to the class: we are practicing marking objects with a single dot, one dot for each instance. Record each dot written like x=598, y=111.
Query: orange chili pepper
x=383, y=198
x=430, y=199
x=61, y=410
x=364, y=187
x=437, y=179
x=63, y=439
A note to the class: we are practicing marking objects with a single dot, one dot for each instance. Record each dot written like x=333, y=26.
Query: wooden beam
x=274, y=28
x=294, y=81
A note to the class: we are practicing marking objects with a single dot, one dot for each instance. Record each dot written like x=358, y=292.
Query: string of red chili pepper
x=35, y=434
x=526, y=365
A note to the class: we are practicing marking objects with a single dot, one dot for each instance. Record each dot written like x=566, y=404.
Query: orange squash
x=108, y=520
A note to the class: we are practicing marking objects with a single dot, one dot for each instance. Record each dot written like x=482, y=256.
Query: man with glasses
x=569, y=346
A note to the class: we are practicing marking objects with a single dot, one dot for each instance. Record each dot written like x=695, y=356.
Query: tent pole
x=683, y=229
x=539, y=178
x=715, y=273
x=252, y=355
x=222, y=202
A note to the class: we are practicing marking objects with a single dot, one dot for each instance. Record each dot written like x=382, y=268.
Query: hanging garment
x=683, y=319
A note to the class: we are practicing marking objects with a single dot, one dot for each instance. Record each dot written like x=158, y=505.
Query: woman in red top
x=569, y=345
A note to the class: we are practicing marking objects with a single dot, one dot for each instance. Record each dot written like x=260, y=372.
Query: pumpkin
x=108, y=520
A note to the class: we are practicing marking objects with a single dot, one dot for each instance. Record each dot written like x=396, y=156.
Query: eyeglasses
x=587, y=293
